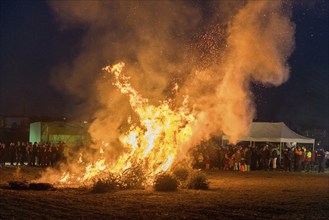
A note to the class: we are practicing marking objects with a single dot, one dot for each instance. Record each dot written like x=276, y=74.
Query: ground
x=232, y=195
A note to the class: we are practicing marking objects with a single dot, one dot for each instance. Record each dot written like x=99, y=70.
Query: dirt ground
x=232, y=195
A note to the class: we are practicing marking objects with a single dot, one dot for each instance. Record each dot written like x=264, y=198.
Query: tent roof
x=273, y=132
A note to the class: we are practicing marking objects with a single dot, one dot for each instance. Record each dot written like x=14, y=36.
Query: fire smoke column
x=260, y=40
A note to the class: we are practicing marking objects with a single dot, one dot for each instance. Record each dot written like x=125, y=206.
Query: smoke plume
x=259, y=39
x=211, y=50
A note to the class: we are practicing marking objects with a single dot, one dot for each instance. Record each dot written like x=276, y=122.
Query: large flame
x=152, y=144
x=248, y=42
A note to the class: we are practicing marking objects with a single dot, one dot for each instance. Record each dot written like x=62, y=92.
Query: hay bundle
x=133, y=178
x=198, y=180
x=165, y=182
x=24, y=185
x=181, y=173
x=102, y=185
x=41, y=186
x=19, y=185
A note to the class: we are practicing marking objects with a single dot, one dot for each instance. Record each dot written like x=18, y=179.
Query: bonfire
x=151, y=146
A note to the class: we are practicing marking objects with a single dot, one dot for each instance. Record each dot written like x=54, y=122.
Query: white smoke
x=211, y=50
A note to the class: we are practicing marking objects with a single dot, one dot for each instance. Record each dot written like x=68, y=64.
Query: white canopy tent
x=273, y=132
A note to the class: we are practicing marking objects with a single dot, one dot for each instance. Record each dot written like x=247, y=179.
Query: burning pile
x=208, y=53
x=151, y=146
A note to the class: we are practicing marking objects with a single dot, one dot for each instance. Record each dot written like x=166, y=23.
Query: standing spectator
x=39, y=154
x=308, y=159
x=302, y=158
x=34, y=153
x=53, y=156
x=260, y=157
x=254, y=158
x=321, y=160
x=30, y=153
x=2, y=154
x=286, y=160
x=230, y=160
x=57, y=155
x=292, y=159
x=237, y=159
x=43, y=154
x=18, y=152
x=243, y=161
x=27, y=157
x=274, y=157
x=298, y=159
x=23, y=153
x=226, y=160
x=265, y=155
x=248, y=156
x=313, y=158
x=279, y=158
x=50, y=161
x=221, y=158
x=212, y=152
x=12, y=149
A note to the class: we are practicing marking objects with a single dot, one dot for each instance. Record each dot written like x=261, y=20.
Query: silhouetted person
x=22, y=153
x=321, y=160
x=2, y=154
x=254, y=158
x=286, y=161
x=221, y=158
x=265, y=155
x=247, y=157
x=292, y=159
x=34, y=153
x=18, y=152
x=298, y=159
x=308, y=160
x=12, y=149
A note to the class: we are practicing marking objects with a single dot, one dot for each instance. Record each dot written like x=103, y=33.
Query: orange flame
x=154, y=144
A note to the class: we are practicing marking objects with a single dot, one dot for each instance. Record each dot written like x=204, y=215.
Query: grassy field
x=232, y=195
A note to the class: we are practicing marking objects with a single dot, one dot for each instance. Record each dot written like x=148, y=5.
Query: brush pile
x=24, y=185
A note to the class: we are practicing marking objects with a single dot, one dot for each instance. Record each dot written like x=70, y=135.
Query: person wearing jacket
x=247, y=155
x=308, y=159
x=321, y=160
x=274, y=157
x=286, y=160
x=237, y=159
x=298, y=159
x=291, y=156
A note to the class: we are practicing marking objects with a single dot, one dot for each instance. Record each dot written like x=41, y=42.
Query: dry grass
x=232, y=195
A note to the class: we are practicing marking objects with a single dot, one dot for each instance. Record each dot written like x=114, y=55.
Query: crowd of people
x=265, y=157
x=36, y=154
x=205, y=156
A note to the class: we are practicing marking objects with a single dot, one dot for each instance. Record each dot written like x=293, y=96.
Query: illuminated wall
x=54, y=132
x=35, y=132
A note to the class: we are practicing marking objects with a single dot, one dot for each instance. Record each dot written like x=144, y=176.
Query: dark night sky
x=31, y=45
x=304, y=98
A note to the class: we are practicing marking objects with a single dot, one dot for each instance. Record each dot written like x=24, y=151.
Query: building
x=71, y=134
